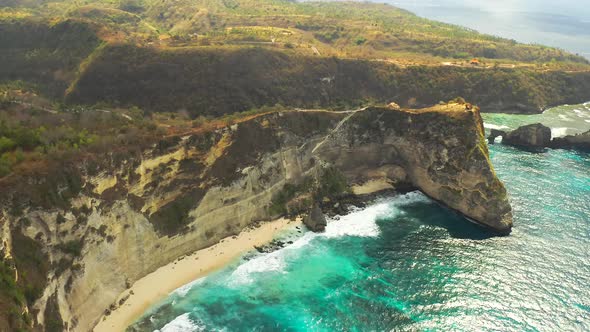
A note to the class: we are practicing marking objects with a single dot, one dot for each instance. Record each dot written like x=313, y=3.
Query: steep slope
x=46, y=56
x=216, y=81
x=169, y=56
x=124, y=217
x=336, y=28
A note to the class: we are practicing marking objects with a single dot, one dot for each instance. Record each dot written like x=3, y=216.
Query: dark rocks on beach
x=274, y=245
x=122, y=300
x=315, y=220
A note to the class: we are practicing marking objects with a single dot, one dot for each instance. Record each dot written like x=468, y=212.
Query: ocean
x=404, y=263
x=564, y=24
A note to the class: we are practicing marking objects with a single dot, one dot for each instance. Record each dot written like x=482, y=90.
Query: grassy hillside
x=193, y=58
x=346, y=29
x=44, y=55
x=221, y=56
x=92, y=82
x=220, y=80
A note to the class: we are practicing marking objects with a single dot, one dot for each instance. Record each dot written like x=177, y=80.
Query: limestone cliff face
x=189, y=192
x=440, y=150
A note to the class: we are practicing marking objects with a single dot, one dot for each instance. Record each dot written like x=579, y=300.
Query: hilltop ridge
x=178, y=55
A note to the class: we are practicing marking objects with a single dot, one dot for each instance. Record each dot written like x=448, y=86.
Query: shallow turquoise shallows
x=406, y=264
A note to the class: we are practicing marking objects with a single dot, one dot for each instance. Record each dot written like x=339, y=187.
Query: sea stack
x=534, y=135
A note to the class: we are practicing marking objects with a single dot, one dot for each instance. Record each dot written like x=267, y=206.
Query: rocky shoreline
x=537, y=137
x=126, y=217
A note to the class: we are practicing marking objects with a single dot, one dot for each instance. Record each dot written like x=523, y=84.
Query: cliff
x=78, y=238
x=216, y=81
x=69, y=62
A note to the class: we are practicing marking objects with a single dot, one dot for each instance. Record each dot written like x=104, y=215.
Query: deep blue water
x=406, y=264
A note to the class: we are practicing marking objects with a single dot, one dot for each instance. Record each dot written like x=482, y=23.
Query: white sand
x=371, y=186
x=152, y=288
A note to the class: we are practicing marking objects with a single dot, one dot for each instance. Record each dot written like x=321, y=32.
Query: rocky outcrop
x=578, y=142
x=538, y=136
x=494, y=133
x=440, y=150
x=113, y=221
x=315, y=219
x=530, y=136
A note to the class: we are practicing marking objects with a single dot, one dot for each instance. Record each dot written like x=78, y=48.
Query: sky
x=559, y=23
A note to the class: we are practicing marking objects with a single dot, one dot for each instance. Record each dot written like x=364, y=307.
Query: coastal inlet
x=405, y=263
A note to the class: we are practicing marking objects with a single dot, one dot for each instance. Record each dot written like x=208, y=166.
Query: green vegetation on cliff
x=12, y=300
x=213, y=57
x=216, y=81
x=38, y=135
x=348, y=29
x=44, y=55
x=22, y=280
x=76, y=75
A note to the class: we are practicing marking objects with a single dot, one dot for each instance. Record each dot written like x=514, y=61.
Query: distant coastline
x=551, y=25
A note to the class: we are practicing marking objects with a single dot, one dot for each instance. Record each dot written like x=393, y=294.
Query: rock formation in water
x=81, y=236
x=530, y=136
x=578, y=142
x=494, y=133
x=538, y=136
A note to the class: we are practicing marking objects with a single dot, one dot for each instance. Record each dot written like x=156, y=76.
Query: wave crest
x=182, y=323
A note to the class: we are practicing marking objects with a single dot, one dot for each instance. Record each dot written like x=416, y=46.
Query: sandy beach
x=152, y=288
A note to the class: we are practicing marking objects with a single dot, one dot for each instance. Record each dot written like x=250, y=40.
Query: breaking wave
x=359, y=222
x=559, y=132
x=182, y=291
x=182, y=323
x=493, y=126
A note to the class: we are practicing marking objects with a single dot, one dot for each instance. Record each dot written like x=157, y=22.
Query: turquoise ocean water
x=406, y=264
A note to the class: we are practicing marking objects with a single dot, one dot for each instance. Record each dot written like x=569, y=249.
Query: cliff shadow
x=430, y=212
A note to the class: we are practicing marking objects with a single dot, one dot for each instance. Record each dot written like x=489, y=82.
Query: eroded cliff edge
x=103, y=225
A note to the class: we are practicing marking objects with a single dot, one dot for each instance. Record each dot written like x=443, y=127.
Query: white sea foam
x=581, y=113
x=360, y=222
x=493, y=126
x=564, y=118
x=183, y=290
x=587, y=121
x=411, y=198
x=558, y=132
x=182, y=323
x=274, y=261
x=302, y=241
